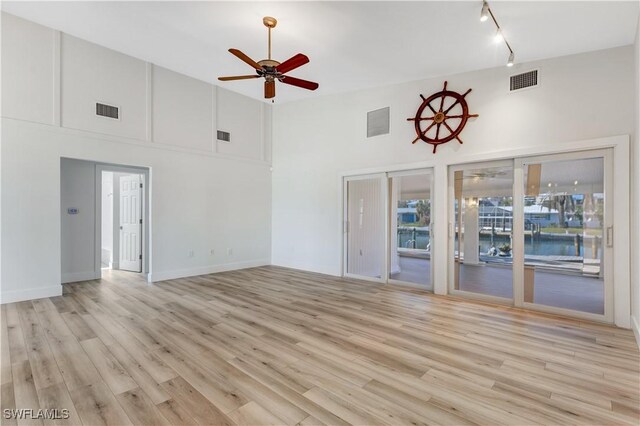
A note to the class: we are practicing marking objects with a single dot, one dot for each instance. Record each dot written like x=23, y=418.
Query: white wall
x=28, y=67
x=201, y=199
x=635, y=198
x=233, y=113
x=182, y=106
x=93, y=74
x=77, y=190
x=106, y=228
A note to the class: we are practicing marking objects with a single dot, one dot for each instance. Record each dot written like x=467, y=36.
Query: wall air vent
x=108, y=111
x=224, y=136
x=378, y=122
x=523, y=81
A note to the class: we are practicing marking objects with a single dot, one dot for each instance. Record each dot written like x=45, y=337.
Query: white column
x=393, y=236
x=471, y=235
x=441, y=259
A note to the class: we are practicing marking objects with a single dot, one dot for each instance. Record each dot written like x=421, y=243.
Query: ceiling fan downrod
x=270, y=23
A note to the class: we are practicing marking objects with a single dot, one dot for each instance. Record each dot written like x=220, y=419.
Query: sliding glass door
x=481, y=230
x=535, y=232
x=387, y=227
x=410, y=228
x=566, y=233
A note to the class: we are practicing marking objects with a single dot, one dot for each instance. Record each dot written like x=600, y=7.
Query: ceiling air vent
x=523, y=81
x=224, y=136
x=108, y=111
x=378, y=122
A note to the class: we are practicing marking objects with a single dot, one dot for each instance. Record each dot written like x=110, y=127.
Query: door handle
x=610, y=236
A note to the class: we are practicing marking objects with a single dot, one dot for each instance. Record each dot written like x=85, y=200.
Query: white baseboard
x=80, y=276
x=30, y=294
x=635, y=326
x=204, y=270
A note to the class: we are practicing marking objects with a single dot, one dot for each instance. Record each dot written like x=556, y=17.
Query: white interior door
x=130, y=223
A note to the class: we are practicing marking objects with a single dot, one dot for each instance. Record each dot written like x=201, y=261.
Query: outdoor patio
x=562, y=290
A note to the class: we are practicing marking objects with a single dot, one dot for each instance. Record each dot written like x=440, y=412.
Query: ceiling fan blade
x=238, y=77
x=292, y=63
x=245, y=58
x=269, y=89
x=309, y=85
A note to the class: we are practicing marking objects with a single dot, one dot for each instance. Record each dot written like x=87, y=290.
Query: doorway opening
x=121, y=220
x=96, y=200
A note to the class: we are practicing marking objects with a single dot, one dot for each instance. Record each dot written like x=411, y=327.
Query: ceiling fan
x=273, y=70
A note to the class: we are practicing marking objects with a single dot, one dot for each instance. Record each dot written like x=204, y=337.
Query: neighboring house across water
x=492, y=216
x=407, y=215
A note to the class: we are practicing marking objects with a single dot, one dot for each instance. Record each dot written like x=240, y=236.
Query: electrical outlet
x=229, y=252
x=190, y=253
x=212, y=252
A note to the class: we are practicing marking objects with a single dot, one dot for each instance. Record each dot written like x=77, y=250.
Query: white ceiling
x=352, y=45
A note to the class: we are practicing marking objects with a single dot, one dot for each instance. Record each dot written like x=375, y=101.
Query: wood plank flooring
x=277, y=346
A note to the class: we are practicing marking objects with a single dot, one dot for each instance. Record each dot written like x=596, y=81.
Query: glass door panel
x=410, y=228
x=564, y=234
x=365, y=242
x=482, y=230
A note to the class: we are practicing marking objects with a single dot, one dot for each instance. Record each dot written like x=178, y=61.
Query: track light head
x=511, y=59
x=484, y=14
x=498, y=37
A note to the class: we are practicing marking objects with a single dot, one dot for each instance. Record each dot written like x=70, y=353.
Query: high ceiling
x=352, y=45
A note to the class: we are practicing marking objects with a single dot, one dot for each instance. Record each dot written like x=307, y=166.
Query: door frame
x=426, y=171
x=146, y=213
x=451, y=231
x=608, y=249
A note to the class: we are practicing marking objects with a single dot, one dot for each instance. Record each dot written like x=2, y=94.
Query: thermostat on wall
x=72, y=210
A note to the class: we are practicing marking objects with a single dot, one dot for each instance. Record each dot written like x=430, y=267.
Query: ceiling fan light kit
x=272, y=70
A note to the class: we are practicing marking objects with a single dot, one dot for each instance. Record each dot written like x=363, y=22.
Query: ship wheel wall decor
x=441, y=117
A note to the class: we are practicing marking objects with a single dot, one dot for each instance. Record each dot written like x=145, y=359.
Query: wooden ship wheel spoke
x=440, y=117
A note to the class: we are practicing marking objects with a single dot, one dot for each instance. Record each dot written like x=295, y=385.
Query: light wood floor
x=277, y=346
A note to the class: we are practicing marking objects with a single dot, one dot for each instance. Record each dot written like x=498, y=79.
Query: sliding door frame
x=608, y=249
x=452, y=235
x=385, y=178
x=390, y=176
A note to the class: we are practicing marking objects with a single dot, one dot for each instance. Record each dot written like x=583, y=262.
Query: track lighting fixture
x=485, y=14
